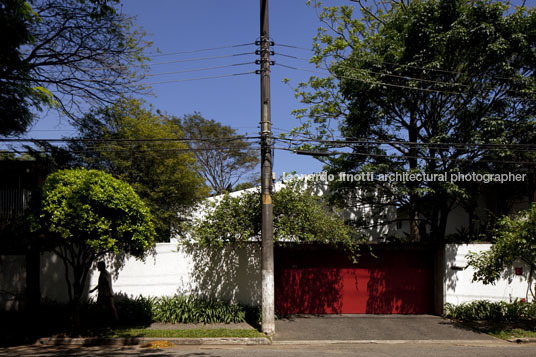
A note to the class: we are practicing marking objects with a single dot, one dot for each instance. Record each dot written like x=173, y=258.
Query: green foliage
x=426, y=72
x=15, y=96
x=514, y=239
x=96, y=212
x=54, y=59
x=86, y=214
x=484, y=310
x=299, y=214
x=224, y=159
x=135, y=310
x=162, y=172
x=181, y=309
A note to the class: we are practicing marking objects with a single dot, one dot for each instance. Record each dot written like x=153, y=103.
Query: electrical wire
x=122, y=150
x=158, y=54
x=400, y=157
x=64, y=140
x=403, y=65
x=199, y=78
x=174, y=61
x=199, y=69
x=410, y=143
x=291, y=46
x=371, y=82
x=392, y=84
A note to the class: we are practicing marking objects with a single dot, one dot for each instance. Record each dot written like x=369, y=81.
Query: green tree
x=16, y=96
x=224, y=157
x=300, y=215
x=65, y=54
x=422, y=86
x=85, y=215
x=514, y=240
x=160, y=167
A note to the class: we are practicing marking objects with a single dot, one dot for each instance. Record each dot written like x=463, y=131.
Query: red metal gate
x=325, y=281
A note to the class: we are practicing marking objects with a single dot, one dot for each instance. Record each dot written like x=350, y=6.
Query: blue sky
x=183, y=25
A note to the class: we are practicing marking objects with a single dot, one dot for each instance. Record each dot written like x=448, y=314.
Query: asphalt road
x=458, y=349
x=372, y=327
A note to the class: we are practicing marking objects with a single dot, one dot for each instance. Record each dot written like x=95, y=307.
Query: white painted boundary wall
x=460, y=288
x=228, y=274
x=231, y=274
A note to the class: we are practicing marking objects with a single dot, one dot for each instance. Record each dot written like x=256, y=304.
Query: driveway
x=372, y=327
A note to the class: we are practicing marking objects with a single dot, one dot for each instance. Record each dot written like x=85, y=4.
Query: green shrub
x=491, y=311
x=181, y=309
x=135, y=310
x=142, y=310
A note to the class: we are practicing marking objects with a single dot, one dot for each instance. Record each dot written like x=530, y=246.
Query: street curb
x=131, y=341
x=522, y=340
x=386, y=342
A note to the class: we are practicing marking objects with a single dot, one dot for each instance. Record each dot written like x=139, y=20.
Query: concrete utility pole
x=268, y=319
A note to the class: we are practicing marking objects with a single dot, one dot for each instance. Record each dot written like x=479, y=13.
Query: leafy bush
x=491, y=311
x=181, y=309
x=135, y=311
x=142, y=310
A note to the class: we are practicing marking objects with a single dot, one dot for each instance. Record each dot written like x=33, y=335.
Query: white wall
x=460, y=288
x=222, y=273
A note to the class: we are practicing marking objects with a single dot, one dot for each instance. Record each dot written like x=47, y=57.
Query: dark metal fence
x=13, y=202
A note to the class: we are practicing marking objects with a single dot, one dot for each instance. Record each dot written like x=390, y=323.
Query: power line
x=199, y=69
x=399, y=157
x=64, y=140
x=394, y=85
x=399, y=64
x=203, y=58
x=158, y=54
x=174, y=61
x=291, y=46
x=199, y=78
x=399, y=142
x=372, y=82
x=122, y=150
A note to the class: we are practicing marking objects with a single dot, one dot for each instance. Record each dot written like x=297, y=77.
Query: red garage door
x=320, y=281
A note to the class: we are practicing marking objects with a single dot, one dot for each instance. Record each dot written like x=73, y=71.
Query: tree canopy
x=65, y=54
x=514, y=240
x=299, y=214
x=146, y=150
x=85, y=215
x=422, y=86
x=15, y=96
x=224, y=157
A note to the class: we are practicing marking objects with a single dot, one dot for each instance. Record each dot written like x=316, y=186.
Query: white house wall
x=223, y=273
x=460, y=288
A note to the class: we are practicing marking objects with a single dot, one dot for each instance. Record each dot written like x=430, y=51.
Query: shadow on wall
x=226, y=273
x=53, y=280
x=316, y=280
x=309, y=280
x=12, y=281
x=451, y=278
x=400, y=282
x=309, y=291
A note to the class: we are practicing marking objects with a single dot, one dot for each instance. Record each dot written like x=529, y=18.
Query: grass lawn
x=507, y=334
x=188, y=333
x=504, y=330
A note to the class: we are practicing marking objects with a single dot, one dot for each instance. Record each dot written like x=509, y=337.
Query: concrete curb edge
x=387, y=342
x=131, y=341
x=522, y=340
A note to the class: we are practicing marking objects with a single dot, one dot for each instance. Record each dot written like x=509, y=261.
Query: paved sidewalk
x=372, y=328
